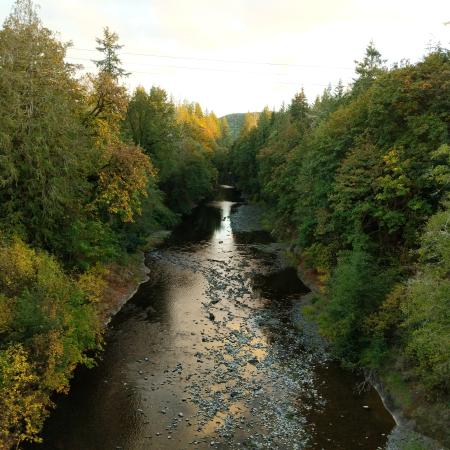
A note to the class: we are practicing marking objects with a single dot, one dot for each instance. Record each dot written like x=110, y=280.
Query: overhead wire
x=208, y=69
x=229, y=61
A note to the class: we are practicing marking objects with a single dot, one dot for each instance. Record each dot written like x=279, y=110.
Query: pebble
x=265, y=395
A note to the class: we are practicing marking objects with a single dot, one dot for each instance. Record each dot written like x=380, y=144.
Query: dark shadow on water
x=149, y=303
x=253, y=237
x=204, y=220
x=336, y=422
x=199, y=226
x=281, y=284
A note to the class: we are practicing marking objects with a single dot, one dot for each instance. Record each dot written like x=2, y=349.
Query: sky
x=243, y=55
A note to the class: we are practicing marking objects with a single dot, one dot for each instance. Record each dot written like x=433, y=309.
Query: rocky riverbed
x=206, y=355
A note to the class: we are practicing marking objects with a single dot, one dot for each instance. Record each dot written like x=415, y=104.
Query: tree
x=151, y=123
x=427, y=305
x=111, y=63
x=369, y=68
x=122, y=171
x=44, y=149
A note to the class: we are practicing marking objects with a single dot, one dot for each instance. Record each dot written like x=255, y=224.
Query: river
x=205, y=355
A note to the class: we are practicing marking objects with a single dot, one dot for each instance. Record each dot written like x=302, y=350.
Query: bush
x=48, y=321
x=356, y=288
x=427, y=306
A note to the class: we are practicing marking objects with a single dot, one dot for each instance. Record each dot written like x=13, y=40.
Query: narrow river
x=205, y=355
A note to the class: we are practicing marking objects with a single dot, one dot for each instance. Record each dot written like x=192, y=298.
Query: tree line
x=358, y=182
x=87, y=173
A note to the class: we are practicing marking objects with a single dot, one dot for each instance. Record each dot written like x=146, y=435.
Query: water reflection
x=173, y=376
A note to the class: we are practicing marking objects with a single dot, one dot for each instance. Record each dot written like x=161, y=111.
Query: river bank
x=205, y=356
x=122, y=280
x=417, y=420
x=417, y=423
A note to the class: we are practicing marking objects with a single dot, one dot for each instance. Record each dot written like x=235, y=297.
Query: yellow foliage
x=124, y=181
x=389, y=316
x=21, y=404
x=93, y=282
x=48, y=349
x=6, y=312
x=16, y=265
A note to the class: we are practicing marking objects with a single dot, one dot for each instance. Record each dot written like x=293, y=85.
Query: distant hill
x=236, y=121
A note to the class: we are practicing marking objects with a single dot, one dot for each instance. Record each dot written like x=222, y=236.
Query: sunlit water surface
x=205, y=356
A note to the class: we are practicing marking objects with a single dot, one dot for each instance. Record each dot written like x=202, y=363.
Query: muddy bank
x=123, y=280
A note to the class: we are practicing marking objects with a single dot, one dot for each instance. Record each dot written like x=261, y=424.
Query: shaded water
x=205, y=356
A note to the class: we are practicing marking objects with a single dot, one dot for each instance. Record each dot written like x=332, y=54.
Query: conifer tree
x=111, y=63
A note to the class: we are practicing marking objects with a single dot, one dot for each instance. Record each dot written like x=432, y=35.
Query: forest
x=357, y=182
x=87, y=172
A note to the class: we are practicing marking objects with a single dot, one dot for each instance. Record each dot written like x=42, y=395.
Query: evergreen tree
x=111, y=63
x=369, y=68
x=44, y=150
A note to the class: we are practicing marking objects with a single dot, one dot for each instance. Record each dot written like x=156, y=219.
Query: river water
x=205, y=355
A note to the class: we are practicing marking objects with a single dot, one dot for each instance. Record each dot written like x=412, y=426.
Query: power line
x=216, y=70
x=230, y=61
x=208, y=69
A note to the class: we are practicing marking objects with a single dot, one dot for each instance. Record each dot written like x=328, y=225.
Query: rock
x=180, y=414
x=211, y=316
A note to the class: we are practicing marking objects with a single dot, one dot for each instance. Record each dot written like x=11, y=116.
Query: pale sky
x=241, y=55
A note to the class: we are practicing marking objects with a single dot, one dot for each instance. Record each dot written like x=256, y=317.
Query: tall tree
x=369, y=68
x=111, y=63
x=44, y=153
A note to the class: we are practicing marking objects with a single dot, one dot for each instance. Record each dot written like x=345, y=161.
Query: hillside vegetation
x=239, y=121
x=87, y=172
x=359, y=183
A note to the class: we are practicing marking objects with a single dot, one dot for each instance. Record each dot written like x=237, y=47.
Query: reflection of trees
x=279, y=285
x=227, y=194
x=199, y=226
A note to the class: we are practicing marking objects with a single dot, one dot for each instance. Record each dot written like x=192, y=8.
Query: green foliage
x=44, y=153
x=48, y=323
x=182, y=143
x=91, y=241
x=151, y=123
x=351, y=181
x=76, y=194
x=427, y=305
x=356, y=289
x=109, y=46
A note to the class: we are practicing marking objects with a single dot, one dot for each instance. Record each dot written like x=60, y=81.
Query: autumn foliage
x=79, y=189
